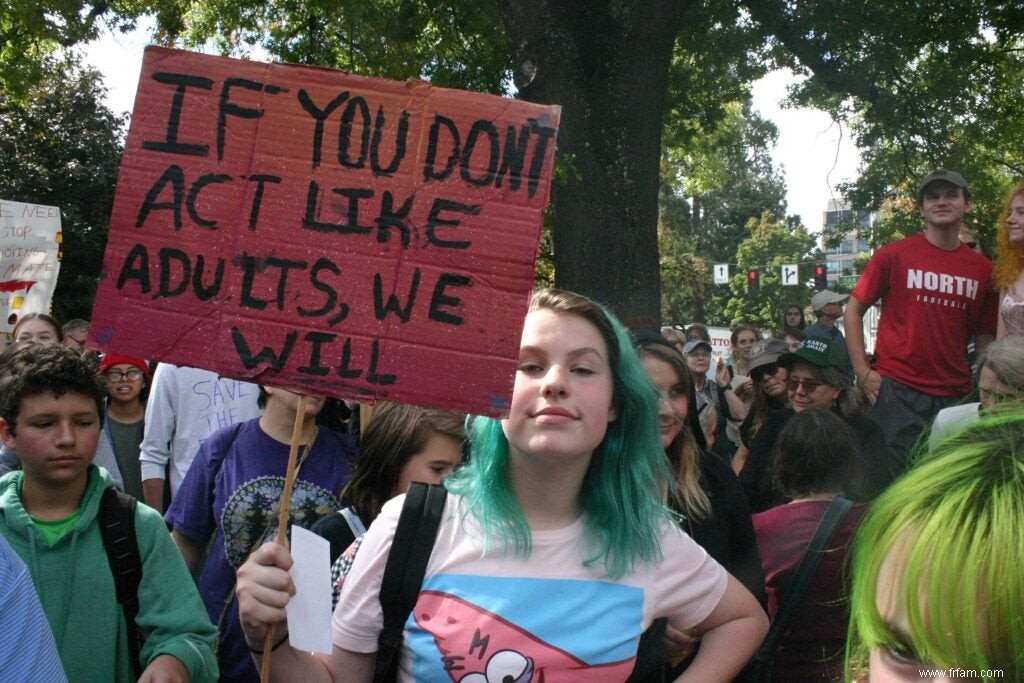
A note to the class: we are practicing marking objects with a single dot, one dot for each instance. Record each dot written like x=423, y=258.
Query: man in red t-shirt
x=936, y=293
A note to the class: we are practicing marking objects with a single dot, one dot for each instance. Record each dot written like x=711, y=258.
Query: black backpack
x=405, y=569
x=116, y=518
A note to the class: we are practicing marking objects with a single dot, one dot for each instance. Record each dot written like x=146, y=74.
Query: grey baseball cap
x=946, y=176
x=694, y=344
x=826, y=297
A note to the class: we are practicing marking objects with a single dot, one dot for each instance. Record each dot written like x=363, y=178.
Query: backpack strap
x=405, y=569
x=116, y=519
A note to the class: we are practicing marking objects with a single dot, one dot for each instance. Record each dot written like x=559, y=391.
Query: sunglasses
x=809, y=385
x=760, y=372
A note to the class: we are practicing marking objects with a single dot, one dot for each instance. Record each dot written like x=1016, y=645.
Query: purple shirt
x=230, y=493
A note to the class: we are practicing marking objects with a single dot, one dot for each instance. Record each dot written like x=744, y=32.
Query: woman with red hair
x=1009, y=267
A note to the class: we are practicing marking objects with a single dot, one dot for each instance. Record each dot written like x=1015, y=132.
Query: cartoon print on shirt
x=478, y=646
x=506, y=666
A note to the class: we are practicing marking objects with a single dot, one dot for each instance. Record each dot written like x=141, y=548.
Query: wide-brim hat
x=766, y=353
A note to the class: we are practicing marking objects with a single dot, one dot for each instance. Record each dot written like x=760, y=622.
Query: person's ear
x=7, y=435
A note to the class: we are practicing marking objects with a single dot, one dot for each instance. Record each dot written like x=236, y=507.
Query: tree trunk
x=606, y=63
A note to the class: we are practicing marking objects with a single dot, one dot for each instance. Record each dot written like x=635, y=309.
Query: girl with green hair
x=937, y=582
x=555, y=551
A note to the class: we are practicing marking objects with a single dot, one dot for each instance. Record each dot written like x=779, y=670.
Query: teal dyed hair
x=628, y=474
x=954, y=526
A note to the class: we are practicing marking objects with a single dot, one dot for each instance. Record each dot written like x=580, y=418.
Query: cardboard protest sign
x=305, y=227
x=30, y=238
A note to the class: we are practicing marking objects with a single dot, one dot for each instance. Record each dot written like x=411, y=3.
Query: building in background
x=840, y=259
x=842, y=273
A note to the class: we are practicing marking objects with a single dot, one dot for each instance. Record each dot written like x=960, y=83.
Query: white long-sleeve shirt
x=185, y=406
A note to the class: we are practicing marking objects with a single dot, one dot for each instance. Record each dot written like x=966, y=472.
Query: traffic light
x=753, y=282
x=820, y=276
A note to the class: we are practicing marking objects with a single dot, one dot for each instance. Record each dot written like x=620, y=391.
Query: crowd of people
x=799, y=510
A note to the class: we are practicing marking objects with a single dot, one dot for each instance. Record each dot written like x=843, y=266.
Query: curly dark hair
x=816, y=452
x=29, y=370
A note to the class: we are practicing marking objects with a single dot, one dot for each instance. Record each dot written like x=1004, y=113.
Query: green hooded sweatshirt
x=76, y=587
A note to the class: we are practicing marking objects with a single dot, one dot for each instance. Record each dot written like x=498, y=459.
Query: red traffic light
x=753, y=282
x=820, y=276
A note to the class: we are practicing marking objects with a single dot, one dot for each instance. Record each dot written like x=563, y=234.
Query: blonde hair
x=683, y=453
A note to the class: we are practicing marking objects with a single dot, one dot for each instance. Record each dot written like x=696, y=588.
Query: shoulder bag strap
x=805, y=572
x=406, y=566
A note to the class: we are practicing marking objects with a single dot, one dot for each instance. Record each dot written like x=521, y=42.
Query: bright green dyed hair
x=628, y=474
x=957, y=521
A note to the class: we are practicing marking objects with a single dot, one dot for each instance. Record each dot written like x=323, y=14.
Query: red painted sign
x=305, y=227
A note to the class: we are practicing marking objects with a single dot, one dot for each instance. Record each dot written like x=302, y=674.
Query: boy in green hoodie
x=50, y=413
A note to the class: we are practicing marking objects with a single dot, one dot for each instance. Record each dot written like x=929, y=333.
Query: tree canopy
x=711, y=189
x=921, y=85
x=769, y=245
x=61, y=146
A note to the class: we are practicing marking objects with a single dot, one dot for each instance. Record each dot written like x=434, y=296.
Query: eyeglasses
x=117, y=375
x=809, y=385
x=80, y=342
x=699, y=354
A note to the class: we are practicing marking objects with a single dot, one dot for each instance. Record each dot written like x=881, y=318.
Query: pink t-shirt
x=546, y=613
x=933, y=301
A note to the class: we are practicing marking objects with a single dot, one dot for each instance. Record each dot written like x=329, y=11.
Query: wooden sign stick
x=282, y=518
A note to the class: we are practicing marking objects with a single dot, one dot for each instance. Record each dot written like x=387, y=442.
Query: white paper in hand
x=309, y=610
